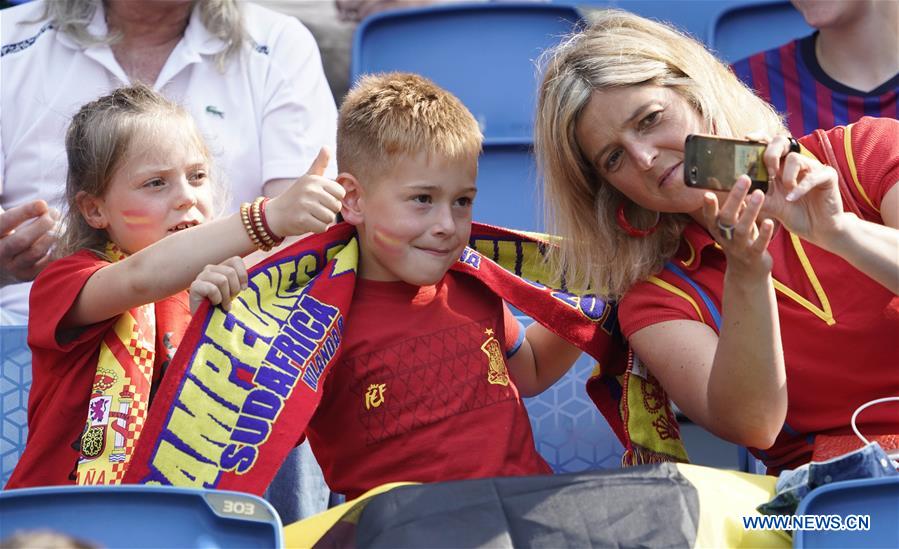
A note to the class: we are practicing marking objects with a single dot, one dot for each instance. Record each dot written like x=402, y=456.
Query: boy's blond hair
x=391, y=114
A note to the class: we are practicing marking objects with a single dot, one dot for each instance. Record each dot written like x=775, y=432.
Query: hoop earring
x=630, y=229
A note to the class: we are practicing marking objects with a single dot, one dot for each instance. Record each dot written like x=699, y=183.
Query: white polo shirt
x=265, y=117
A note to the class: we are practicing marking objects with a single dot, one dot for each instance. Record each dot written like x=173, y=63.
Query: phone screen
x=716, y=163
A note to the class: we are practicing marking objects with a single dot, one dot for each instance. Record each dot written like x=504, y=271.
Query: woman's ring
x=727, y=231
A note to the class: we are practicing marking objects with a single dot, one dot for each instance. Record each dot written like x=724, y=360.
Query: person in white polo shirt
x=252, y=79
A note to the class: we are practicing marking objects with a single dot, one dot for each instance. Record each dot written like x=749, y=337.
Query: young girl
x=107, y=317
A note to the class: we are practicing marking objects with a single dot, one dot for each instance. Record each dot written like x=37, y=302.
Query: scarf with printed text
x=245, y=383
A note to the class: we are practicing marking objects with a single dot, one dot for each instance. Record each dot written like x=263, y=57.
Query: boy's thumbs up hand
x=320, y=163
x=310, y=204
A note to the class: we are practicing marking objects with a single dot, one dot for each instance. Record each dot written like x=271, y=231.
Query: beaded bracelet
x=256, y=218
x=256, y=225
x=248, y=226
x=277, y=239
x=260, y=223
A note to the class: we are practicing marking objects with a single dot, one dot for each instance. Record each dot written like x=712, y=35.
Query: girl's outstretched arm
x=171, y=264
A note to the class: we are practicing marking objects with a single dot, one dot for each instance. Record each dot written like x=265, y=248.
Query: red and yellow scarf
x=133, y=353
x=120, y=395
x=245, y=383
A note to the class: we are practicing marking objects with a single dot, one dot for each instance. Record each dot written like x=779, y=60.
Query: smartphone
x=716, y=162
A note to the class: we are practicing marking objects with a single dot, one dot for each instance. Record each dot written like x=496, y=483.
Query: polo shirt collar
x=96, y=27
x=101, y=53
x=196, y=37
x=695, y=241
x=197, y=41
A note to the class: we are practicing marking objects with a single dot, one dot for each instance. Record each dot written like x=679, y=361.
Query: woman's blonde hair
x=391, y=114
x=222, y=18
x=102, y=133
x=617, y=50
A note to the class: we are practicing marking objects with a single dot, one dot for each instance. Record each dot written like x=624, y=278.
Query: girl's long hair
x=102, y=133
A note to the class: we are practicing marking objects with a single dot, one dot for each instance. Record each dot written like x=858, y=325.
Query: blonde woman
x=765, y=317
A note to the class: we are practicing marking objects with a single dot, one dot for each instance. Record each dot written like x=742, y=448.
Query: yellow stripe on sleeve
x=678, y=292
x=847, y=146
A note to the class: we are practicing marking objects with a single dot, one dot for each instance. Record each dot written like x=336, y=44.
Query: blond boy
x=433, y=364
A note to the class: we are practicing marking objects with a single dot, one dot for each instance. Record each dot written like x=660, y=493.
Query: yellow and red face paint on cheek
x=136, y=219
x=388, y=241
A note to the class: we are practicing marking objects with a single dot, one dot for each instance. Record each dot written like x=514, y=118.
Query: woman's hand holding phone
x=735, y=228
x=805, y=196
x=800, y=192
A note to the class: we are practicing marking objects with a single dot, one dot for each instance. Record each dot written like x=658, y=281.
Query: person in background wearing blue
x=848, y=68
x=251, y=78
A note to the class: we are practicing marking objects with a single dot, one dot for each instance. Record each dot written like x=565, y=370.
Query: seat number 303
x=238, y=507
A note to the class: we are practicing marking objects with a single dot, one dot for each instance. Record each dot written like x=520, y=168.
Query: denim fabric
x=867, y=462
x=298, y=490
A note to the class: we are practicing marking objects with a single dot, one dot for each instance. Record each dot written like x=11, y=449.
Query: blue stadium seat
x=483, y=53
x=15, y=382
x=143, y=516
x=876, y=497
x=569, y=431
x=692, y=17
x=745, y=29
x=486, y=55
x=508, y=191
x=733, y=28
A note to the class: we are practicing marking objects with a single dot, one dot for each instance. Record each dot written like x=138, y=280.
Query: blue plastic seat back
x=15, y=382
x=483, y=53
x=569, y=431
x=693, y=17
x=733, y=28
x=486, y=55
x=877, y=498
x=508, y=192
x=758, y=26
x=143, y=516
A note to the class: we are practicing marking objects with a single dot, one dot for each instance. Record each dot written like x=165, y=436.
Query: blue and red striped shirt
x=790, y=78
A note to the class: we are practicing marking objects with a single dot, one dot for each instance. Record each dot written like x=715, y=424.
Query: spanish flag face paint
x=389, y=243
x=416, y=219
x=137, y=219
x=159, y=188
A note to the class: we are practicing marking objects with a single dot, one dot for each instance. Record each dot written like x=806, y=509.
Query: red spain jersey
x=63, y=371
x=422, y=392
x=790, y=78
x=839, y=327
